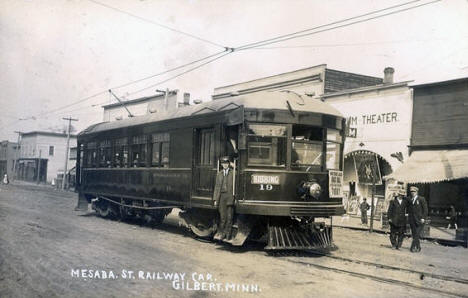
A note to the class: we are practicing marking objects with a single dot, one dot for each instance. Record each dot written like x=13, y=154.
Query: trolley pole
x=70, y=119
x=17, y=153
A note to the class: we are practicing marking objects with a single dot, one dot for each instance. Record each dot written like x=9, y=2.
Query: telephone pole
x=15, y=174
x=70, y=119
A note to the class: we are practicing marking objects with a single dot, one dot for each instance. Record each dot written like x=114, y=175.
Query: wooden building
x=438, y=162
x=42, y=155
x=8, y=154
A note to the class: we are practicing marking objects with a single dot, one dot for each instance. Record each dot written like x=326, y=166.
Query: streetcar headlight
x=315, y=190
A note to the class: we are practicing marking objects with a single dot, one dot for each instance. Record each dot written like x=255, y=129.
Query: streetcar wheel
x=104, y=210
x=200, y=222
x=202, y=231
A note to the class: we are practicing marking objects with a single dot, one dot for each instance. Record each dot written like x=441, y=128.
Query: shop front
x=442, y=178
x=378, y=136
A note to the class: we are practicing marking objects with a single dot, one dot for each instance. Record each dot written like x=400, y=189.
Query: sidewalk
x=42, y=185
x=355, y=222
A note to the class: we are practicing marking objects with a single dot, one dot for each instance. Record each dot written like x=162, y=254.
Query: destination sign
x=265, y=179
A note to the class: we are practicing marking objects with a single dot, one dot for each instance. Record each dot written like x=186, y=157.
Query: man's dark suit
x=224, y=198
x=397, y=219
x=417, y=212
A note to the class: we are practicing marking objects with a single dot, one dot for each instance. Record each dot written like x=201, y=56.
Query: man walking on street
x=417, y=217
x=224, y=199
x=364, y=207
x=397, y=219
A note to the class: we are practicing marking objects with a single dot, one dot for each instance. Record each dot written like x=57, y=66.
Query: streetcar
x=287, y=154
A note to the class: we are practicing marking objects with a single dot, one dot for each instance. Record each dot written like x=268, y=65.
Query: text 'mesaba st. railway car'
x=287, y=167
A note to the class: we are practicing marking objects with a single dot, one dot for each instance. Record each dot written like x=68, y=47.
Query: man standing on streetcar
x=224, y=199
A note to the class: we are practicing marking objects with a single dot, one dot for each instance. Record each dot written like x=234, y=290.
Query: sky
x=59, y=58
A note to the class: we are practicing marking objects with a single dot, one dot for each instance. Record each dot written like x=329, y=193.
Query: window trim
x=285, y=145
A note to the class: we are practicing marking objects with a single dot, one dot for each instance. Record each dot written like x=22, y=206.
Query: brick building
x=313, y=81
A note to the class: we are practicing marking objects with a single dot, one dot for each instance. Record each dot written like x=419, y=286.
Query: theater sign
x=379, y=130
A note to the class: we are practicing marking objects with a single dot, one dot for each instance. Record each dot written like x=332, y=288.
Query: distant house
x=145, y=105
x=8, y=151
x=42, y=155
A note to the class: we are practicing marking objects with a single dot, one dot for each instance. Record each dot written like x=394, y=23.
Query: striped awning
x=428, y=166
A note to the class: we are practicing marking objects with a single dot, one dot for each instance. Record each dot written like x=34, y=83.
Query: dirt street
x=49, y=250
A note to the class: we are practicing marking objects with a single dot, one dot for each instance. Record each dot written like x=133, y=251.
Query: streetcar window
x=90, y=155
x=138, y=151
x=160, y=150
x=120, y=153
x=334, y=141
x=307, y=146
x=105, y=154
x=267, y=145
x=306, y=154
x=206, y=147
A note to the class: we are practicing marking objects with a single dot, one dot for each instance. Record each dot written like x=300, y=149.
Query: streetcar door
x=204, y=171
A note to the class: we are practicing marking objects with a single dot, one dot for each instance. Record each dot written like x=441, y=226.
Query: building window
x=73, y=152
x=160, y=150
x=51, y=150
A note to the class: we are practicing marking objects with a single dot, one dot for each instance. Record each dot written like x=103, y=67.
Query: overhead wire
x=329, y=24
x=180, y=74
x=127, y=84
x=228, y=50
x=280, y=39
x=157, y=24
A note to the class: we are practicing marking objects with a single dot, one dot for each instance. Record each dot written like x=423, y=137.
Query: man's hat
x=413, y=188
x=225, y=159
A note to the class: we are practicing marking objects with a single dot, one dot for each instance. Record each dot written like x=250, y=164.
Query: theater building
x=379, y=130
x=438, y=161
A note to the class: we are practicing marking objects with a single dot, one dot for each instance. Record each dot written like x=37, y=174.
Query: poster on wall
x=367, y=169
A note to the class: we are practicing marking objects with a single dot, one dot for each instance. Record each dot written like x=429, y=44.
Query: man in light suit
x=417, y=214
x=224, y=198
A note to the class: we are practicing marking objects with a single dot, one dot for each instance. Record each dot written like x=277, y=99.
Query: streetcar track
x=377, y=265
x=375, y=278
x=383, y=266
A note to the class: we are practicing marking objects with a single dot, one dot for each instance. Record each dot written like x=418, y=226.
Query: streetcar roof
x=266, y=100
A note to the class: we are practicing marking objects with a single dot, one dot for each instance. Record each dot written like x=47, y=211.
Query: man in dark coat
x=223, y=198
x=364, y=207
x=397, y=219
x=417, y=211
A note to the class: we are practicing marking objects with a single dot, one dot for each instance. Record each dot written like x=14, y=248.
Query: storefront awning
x=429, y=166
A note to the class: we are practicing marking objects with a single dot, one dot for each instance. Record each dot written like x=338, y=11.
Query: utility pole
x=15, y=174
x=39, y=167
x=70, y=119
